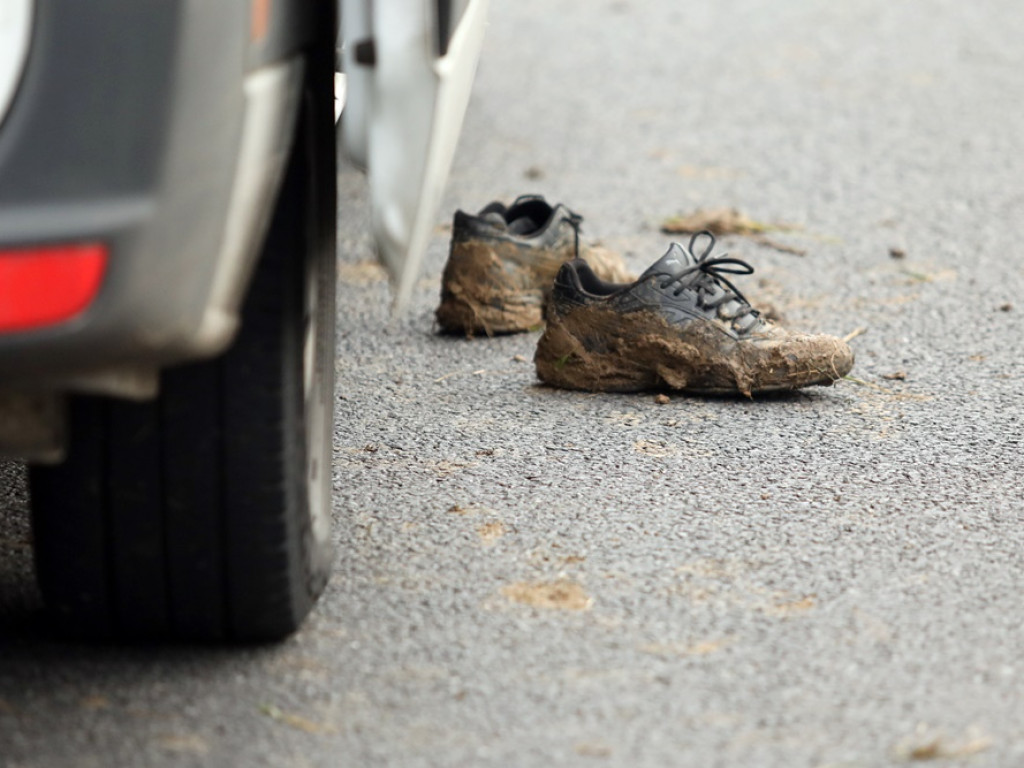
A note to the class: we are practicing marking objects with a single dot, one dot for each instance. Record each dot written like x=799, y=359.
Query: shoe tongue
x=673, y=262
x=523, y=226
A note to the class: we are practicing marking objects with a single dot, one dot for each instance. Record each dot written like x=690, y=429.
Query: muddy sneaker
x=503, y=262
x=682, y=325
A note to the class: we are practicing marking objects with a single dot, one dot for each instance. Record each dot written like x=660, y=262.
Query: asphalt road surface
x=531, y=577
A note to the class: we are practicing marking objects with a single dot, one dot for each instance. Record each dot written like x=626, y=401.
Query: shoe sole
x=599, y=350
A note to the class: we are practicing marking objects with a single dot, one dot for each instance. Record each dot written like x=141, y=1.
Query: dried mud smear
x=586, y=749
x=491, y=532
x=560, y=595
x=703, y=648
x=361, y=272
x=718, y=221
x=597, y=349
x=500, y=287
x=928, y=745
x=729, y=221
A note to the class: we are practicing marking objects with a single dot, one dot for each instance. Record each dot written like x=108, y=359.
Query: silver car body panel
x=155, y=151
x=15, y=33
x=271, y=95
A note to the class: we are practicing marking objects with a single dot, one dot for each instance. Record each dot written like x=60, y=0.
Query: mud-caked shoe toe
x=503, y=261
x=682, y=325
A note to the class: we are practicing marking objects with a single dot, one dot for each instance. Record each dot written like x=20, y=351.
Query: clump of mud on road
x=596, y=349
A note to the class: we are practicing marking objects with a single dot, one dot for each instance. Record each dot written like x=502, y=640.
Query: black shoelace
x=575, y=220
x=706, y=273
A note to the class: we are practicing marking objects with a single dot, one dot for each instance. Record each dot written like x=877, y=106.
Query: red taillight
x=48, y=284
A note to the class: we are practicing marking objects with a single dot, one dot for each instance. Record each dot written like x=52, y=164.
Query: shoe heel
x=563, y=360
x=479, y=295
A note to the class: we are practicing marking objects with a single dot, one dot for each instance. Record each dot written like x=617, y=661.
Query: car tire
x=205, y=513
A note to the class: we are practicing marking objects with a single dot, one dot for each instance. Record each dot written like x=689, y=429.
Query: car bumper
x=158, y=129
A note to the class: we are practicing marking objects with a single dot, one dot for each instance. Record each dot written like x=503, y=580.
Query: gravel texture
x=533, y=577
